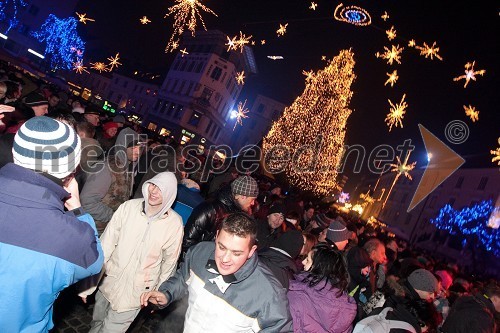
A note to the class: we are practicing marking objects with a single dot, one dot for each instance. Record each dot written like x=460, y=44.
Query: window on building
x=207, y=93
x=223, y=77
x=152, y=127
x=191, y=66
x=199, y=67
x=178, y=112
x=228, y=83
x=209, y=126
x=195, y=119
x=181, y=87
x=33, y=10
x=171, y=109
x=210, y=70
x=190, y=87
x=166, y=105
x=159, y=104
x=217, y=134
x=216, y=73
x=260, y=109
x=482, y=183
x=183, y=66
x=459, y=183
x=174, y=85
x=214, y=128
x=176, y=65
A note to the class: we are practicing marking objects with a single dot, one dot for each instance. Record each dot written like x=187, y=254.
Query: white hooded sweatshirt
x=140, y=252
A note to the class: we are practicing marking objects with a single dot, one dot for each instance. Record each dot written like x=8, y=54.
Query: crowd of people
x=99, y=202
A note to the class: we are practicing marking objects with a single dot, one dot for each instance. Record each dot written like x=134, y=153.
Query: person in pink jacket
x=318, y=299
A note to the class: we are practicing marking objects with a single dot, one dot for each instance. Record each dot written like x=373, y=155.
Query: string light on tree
x=83, y=18
x=470, y=73
x=396, y=113
x=324, y=105
x=186, y=13
x=99, y=66
x=429, y=51
x=394, y=54
x=313, y=5
x=391, y=33
x=240, y=78
x=352, y=14
x=282, y=30
x=240, y=114
x=145, y=20
x=496, y=154
x=12, y=14
x=384, y=16
x=79, y=67
x=393, y=77
x=113, y=61
x=63, y=45
x=471, y=112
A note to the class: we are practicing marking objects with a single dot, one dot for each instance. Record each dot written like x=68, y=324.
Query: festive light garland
x=318, y=115
x=12, y=15
x=353, y=15
x=472, y=220
x=63, y=45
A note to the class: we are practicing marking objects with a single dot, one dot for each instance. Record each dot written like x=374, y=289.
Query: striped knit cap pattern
x=46, y=145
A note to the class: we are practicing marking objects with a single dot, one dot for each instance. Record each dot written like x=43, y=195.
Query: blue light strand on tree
x=63, y=44
x=12, y=15
x=472, y=220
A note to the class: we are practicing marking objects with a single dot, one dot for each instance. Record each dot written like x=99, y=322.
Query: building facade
x=200, y=90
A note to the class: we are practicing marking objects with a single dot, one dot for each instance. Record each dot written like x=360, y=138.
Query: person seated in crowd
x=281, y=254
x=318, y=296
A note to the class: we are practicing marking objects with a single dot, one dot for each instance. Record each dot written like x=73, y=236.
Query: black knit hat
x=358, y=257
x=35, y=99
x=337, y=232
x=276, y=208
x=291, y=242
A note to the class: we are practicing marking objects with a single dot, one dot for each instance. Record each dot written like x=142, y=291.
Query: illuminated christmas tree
x=307, y=141
x=63, y=45
x=8, y=12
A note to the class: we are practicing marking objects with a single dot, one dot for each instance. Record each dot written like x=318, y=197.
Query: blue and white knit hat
x=46, y=145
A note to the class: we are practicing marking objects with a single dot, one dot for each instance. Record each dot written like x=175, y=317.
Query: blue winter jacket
x=43, y=249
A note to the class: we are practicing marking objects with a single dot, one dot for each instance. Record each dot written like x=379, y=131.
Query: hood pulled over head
x=167, y=183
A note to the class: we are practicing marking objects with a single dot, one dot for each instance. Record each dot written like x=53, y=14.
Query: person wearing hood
x=141, y=247
x=110, y=184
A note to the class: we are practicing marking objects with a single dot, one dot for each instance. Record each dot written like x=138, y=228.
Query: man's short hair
x=372, y=245
x=86, y=127
x=492, y=289
x=241, y=225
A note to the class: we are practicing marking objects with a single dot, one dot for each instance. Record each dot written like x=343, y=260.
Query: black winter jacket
x=471, y=314
x=282, y=266
x=205, y=219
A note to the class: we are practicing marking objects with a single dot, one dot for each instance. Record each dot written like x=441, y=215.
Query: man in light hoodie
x=141, y=245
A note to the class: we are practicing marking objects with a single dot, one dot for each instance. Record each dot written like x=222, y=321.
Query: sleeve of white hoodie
x=172, y=248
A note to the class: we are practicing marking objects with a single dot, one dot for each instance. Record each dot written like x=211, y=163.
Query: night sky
x=464, y=31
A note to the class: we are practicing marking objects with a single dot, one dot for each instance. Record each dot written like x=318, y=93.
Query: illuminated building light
x=36, y=53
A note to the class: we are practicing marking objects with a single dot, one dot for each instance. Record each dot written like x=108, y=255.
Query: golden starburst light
x=184, y=52
x=496, y=153
x=186, y=13
x=391, y=33
x=79, y=68
x=309, y=75
x=282, y=30
x=412, y=43
x=396, y=113
x=385, y=16
x=472, y=113
x=263, y=42
x=429, y=51
x=240, y=78
x=238, y=42
x=113, y=61
x=241, y=113
x=393, y=77
x=470, y=73
x=313, y=5
x=394, y=54
x=231, y=43
x=99, y=66
x=145, y=20
x=82, y=18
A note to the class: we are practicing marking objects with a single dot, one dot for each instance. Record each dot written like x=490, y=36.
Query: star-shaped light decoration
x=313, y=5
x=186, y=13
x=253, y=42
x=412, y=43
x=393, y=77
x=396, y=113
x=242, y=113
x=240, y=78
x=385, y=16
x=275, y=57
x=403, y=168
x=82, y=18
x=145, y=20
x=429, y=51
x=231, y=43
x=263, y=42
x=184, y=52
x=309, y=75
x=79, y=68
x=239, y=42
x=496, y=154
x=394, y=54
x=470, y=73
x=391, y=33
x=323, y=58
x=99, y=66
x=175, y=45
x=113, y=61
x=282, y=30
x=472, y=113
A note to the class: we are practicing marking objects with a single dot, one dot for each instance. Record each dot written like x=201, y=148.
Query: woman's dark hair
x=328, y=266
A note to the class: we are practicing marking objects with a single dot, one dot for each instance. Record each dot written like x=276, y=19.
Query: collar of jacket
x=244, y=272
